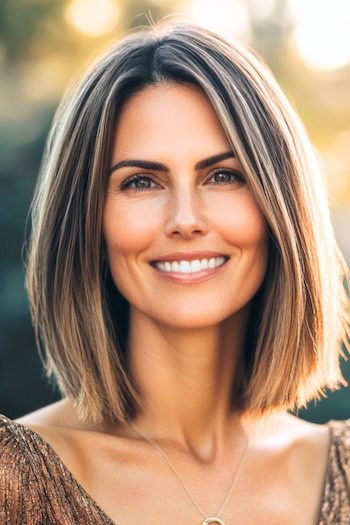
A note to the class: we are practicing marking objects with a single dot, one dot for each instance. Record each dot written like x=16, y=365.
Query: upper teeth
x=189, y=266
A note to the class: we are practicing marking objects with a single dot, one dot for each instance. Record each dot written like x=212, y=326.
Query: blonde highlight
x=80, y=319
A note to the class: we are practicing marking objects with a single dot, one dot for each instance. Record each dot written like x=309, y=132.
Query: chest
x=132, y=483
x=147, y=491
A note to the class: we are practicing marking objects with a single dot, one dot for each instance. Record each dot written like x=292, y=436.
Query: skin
x=186, y=339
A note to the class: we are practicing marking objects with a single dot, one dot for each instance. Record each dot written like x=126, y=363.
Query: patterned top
x=36, y=488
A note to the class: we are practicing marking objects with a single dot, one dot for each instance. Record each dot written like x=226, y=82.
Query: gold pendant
x=212, y=520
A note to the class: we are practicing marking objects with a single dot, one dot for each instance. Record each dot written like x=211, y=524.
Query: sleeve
x=336, y=500
x=342, y=434
x=19, y=495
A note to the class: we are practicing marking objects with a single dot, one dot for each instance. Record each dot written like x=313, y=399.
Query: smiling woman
x=187, y=291
x=196, y=204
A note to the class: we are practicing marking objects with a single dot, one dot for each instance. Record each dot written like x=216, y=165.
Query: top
x=36, y=488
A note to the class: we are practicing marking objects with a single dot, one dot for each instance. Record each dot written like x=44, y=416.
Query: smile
x=191, y=267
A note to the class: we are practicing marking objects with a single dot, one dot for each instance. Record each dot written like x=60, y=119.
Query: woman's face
x=186, y=241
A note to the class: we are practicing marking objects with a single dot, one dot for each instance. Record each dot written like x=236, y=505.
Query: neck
x=186, y=381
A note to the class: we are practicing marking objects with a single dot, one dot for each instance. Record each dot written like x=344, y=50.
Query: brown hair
x=300, y=316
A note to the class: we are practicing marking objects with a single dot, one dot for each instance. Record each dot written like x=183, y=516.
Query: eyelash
x=125, y=185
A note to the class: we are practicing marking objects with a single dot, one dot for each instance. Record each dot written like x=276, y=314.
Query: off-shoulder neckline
x=108, y=520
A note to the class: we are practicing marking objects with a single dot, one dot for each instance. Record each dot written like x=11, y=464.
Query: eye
x=225, y=176
x=144, y=183
x=138, y=183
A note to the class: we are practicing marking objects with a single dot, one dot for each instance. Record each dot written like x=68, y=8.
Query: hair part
x=301, y=313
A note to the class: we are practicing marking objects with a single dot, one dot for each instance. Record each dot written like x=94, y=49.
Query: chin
x=199, y=319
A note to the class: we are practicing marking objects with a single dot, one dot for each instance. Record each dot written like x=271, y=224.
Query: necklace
x=207, y=520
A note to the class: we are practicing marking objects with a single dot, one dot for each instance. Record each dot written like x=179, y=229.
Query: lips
x=189, y=256
x=188, y=272
x=194, y=266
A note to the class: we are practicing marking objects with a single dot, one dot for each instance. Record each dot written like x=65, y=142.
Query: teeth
x=196, y=266
x=204, y=264
x=211, y=263
x=185, y=267
x=189, y=266
x=175, y=266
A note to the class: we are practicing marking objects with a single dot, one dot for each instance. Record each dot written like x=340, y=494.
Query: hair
x=301, y=312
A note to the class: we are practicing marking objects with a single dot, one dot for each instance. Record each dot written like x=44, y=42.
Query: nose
x=186, y=217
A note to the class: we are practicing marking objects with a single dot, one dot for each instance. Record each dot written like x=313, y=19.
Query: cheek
x=128, y=229
x=242, y=225
x=240, y=220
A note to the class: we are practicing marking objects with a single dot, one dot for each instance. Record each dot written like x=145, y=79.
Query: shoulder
x=33, y=437
x=339, y=457
x=340, y=431
x=335, y=506
x=35, y=484
x=16, y=446
x=33, y=478
x=291, y=433
x=19, y=489
x=48, y=439
x=58, y=414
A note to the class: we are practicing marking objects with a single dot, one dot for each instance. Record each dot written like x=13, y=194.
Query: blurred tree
x=20, y=22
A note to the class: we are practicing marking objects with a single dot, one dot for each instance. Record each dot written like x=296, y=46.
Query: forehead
x=165, y=117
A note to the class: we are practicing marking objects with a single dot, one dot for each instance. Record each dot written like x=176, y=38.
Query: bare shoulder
x=305, y=447
x=91, y=455
x=71, y=438
x=60, y=414
x=58, y=425
x=300, y=434
x=314, y=435
x=60, y=419
x=298, y=426
x=301, y=445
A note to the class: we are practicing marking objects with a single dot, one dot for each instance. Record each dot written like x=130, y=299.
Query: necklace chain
x=165, y=456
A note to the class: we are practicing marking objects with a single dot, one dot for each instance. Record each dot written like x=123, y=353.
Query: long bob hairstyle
x=300, y=316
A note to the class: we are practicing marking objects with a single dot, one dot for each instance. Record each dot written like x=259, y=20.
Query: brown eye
x=227, y=177
x=138, y=183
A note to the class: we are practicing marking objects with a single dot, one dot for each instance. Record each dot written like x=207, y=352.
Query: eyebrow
x=158, y=166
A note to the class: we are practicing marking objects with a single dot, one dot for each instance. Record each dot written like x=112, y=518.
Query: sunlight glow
x=229, y=18
x=93, y=18
x=261, y=9
x=321, y=32
x=336, y=162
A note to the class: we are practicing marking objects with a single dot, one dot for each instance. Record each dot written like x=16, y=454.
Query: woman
x=188, y=291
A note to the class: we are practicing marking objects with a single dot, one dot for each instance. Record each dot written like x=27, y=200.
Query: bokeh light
x=321, y=33
x=261, y=9
x=336, y=160
x=230, y=18
x=93, y=18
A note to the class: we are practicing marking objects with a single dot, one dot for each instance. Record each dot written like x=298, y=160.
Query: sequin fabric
x=37, y=489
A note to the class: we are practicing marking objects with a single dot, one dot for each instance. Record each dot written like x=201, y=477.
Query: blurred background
x=44, y=43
